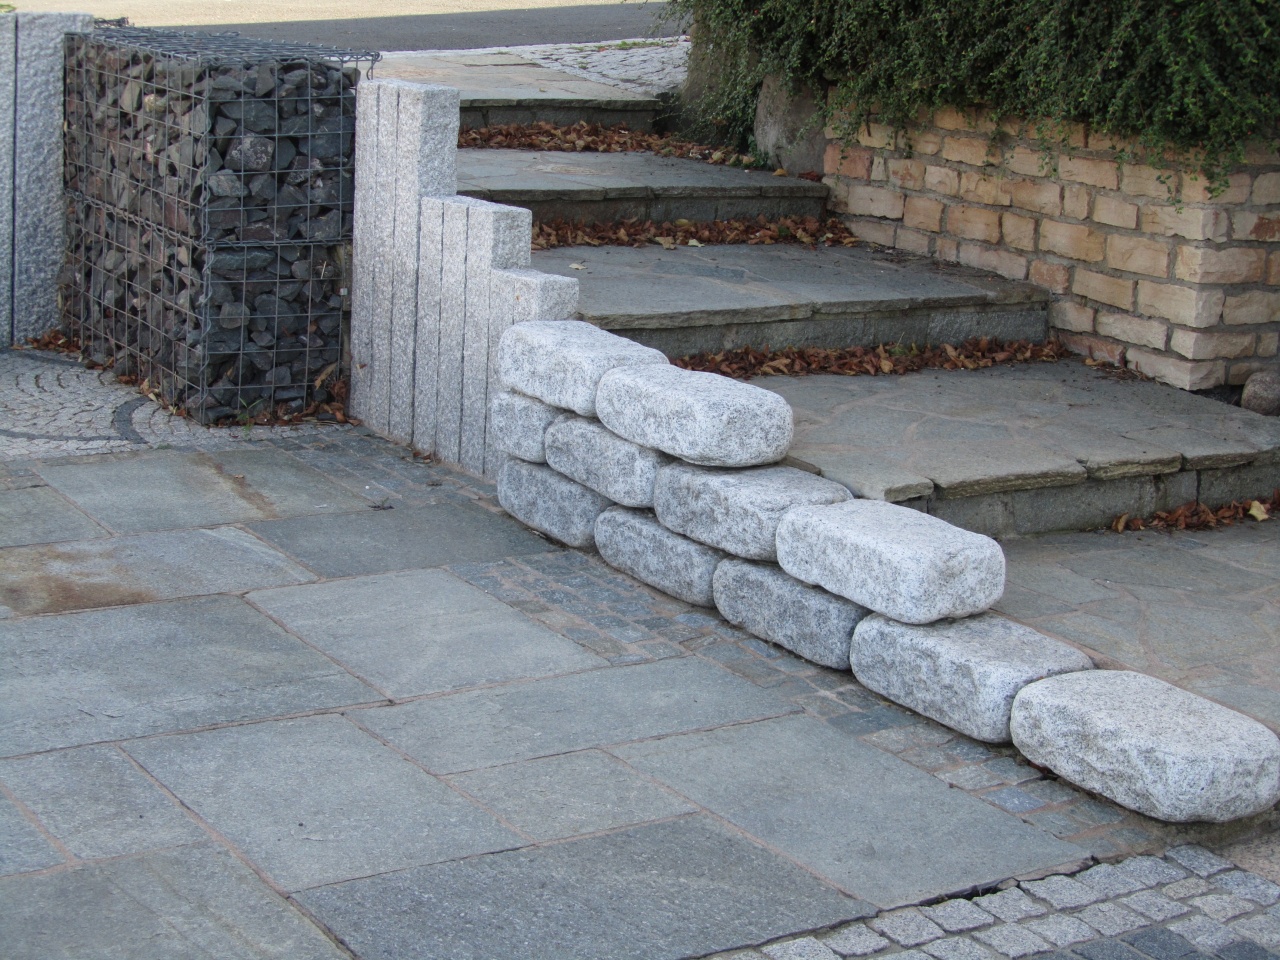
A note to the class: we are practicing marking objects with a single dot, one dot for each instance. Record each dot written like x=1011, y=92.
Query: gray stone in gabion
x=518, y=424
x=1148, y=745
x=897, y=561
x=737, y=510
x=597, y=457
x=636, y=543
x=561, y=361
x=776, y=606
x=539, y=497
x=962, y=673
x=700, y=417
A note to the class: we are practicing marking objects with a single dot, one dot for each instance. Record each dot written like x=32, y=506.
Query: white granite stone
x=584, y=450
x=896, y=561
x=737, y=510
x=779, y=608
x=636, y=543
x=703, y=418
x=377, y=410
x=561, y=362
x=962, y=673
x=539, y=497
x=453, y=321
x=366, y=252
x=39, y=232
x=8, y=75
x=428, y=136
x=518, y=424
x=1149, y=745
x=426, y=367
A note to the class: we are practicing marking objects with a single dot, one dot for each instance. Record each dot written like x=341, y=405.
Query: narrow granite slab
x=777, y=607
x=561, y=362
x=737, y=510
x=700, y=417
x=1149, y=745
x=963, y=673
x=596, y=457
x=550, y=502
x=636, y=543
x=894, y=560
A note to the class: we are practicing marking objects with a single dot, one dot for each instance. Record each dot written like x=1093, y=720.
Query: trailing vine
x=1198, y=77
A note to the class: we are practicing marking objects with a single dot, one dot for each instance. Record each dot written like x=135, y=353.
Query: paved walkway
x=302, y=695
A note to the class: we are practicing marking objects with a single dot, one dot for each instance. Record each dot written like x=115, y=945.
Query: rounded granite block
x=779, y=608
x=1148, y=745
x=560, y=362
x=737, y=510
x=897, y=561
x=962, y=673
x=539, y=497
x=518, y=424
x=636, y=543
x=700, y=417
x=590, y=453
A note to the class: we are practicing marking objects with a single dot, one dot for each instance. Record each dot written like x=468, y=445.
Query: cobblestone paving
x=1188, y=905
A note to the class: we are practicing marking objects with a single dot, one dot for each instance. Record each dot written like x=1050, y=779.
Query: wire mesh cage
x=209, y=185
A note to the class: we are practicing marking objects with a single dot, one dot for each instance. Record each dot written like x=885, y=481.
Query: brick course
x=1153, y=272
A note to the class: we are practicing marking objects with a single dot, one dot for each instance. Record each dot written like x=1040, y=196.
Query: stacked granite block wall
x=209, y=183
x=31, y=120
x=675, y=478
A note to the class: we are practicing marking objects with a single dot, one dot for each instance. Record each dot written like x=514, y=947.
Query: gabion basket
x=209, y=186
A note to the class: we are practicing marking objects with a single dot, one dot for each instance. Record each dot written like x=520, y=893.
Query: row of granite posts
x=32, y=215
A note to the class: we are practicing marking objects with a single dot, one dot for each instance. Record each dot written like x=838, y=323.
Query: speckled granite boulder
x=737, y=510
x=895, y=560
x=1149, y=745
x=539, y=497
x=700, y=417
x=518, y=424
x=962, y=673
x=636, y=543
x=560, y=362
x=777, y=607
x=596, y=457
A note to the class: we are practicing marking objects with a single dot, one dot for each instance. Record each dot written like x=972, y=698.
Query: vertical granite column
x=364, y=246
x=37, y=207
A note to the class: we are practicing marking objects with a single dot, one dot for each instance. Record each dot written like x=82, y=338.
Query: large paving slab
x=421, y=631
x=298, y=797
x=484, y=728
x=80, y=678
x=61, y=577
x=604, y=187
x=194, y=901
x=352, y=544
x=501, y=88
x=1029, y=448
x=874, y=827
x=164, y=489
x=712, y=298
x=22, y=846
x=659, y=892
x=41, y=515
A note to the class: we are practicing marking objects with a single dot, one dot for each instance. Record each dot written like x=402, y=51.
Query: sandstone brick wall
x=1187, y=292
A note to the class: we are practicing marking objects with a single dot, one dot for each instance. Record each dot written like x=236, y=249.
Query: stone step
x=503, y=88
x=695, y=299
x=1031, y=448
x=605, y=187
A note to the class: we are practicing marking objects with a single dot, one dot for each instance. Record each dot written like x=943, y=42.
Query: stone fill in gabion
x=1149, y=745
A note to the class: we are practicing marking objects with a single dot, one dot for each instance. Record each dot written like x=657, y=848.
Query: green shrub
x=1198, y=76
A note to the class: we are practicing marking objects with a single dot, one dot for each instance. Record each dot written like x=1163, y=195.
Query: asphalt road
x=397, y=25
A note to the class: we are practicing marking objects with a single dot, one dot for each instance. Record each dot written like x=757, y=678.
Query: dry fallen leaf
x=577, y=266
x=1258, y=510
x=780, y=173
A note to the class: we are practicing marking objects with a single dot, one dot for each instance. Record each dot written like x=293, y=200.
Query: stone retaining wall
x=1151, y=271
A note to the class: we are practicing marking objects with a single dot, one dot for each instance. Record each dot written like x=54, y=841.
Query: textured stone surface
x=1149, y=745
x=636, y=543
x=595, y=456
x=427, y=337
x=963, y=673
x=738, y=510
x=894, y=560
x=561, y=362
x=1262, y=393
x=8, y=73
x=518, y=424
x=776, y=606
x=700, y=417
x=547, y=501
